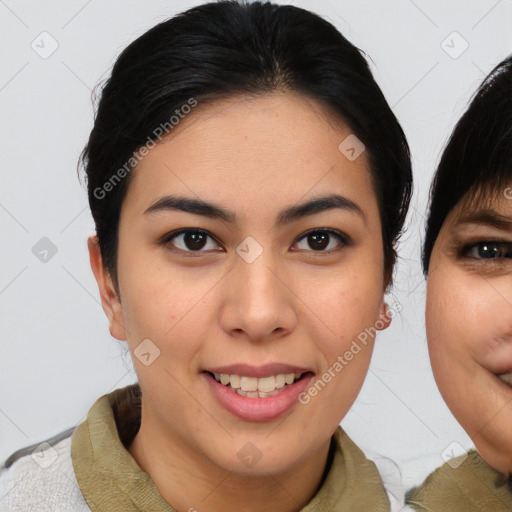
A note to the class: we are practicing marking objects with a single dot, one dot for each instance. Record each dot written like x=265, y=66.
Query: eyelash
x=167, y=238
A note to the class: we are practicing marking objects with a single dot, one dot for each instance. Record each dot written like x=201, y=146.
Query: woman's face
x=469, y=324
x=248, y=293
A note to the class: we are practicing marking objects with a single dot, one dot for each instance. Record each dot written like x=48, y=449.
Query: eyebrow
x=286, y=216
x=486, y=217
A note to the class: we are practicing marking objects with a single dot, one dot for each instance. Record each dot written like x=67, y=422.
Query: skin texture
x=469, y=325
x=293, y=304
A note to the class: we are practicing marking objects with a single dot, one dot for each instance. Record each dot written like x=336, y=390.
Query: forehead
x=255, y=150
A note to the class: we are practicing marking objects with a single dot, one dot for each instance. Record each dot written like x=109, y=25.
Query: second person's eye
x=490, y=250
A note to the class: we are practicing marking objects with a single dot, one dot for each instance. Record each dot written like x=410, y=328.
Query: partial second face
x=469, y=322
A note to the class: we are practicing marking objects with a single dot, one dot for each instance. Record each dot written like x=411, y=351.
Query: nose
x=258, y=303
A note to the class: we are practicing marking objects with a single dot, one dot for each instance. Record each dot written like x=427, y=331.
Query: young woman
x=248, y=183
x=468, y=258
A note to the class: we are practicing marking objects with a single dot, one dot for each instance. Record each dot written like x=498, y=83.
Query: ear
x=384, y=317
x=109, y=300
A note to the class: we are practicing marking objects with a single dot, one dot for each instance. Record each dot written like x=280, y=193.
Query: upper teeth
x=263, y=384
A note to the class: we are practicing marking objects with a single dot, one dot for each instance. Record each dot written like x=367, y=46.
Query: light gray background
x=57, y=356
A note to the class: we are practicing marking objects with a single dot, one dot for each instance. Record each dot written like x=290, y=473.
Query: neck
x=188, y=481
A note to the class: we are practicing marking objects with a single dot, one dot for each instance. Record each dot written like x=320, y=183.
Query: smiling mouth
x=254, y=387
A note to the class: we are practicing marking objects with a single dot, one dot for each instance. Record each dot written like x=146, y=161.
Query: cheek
x=463, y=314
x=448, y=316
x=350, y=306
x=164, y=304
x=350, y=300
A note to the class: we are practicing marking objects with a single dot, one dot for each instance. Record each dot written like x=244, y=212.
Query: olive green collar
x=111, y=480
x=463, y=485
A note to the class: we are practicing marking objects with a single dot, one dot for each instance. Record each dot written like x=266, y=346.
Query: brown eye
x=191, y=240
x=321, y=239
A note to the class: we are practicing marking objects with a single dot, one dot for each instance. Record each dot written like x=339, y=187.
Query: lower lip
x=258, y=409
